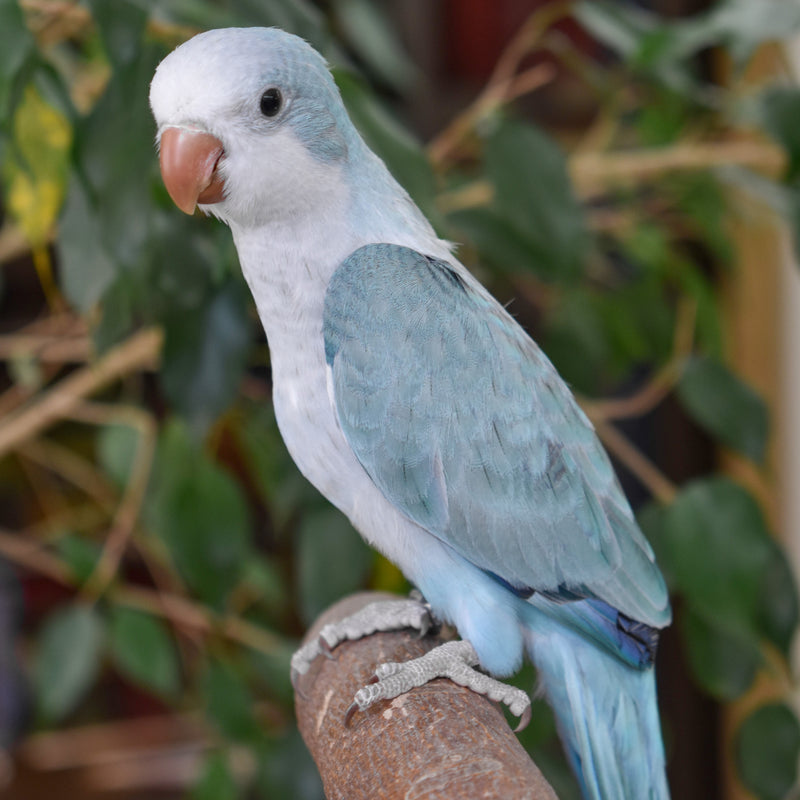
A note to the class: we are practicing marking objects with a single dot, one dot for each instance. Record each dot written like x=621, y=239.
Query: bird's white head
x=251, y=126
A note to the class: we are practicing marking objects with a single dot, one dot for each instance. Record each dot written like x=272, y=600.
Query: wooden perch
x=438, y=742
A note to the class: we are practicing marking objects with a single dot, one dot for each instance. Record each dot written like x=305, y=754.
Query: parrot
x=411, y=399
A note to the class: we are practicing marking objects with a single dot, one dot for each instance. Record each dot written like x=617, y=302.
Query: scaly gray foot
x=385, y=615
x=453, y=660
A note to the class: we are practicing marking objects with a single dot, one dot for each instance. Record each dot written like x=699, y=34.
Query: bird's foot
x=384, y=615
x=453, y=660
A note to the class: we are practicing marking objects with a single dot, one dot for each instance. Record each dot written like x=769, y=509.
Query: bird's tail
x=606, y=713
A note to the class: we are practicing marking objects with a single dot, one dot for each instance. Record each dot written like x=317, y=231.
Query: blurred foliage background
x=160, y=556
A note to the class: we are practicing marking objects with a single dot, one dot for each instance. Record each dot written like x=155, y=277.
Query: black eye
x=271, y=102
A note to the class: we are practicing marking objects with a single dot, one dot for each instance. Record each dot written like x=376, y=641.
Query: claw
x=348, y=715
x=374, y=679
x=524, y=720
x=326, y=649
x=425, y=626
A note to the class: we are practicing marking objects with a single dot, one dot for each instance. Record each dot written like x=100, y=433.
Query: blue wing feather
x=464, y=425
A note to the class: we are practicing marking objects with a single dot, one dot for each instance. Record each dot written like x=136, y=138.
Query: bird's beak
x=188, y=161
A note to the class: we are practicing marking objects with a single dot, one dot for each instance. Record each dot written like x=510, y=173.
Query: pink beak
x=188, y=161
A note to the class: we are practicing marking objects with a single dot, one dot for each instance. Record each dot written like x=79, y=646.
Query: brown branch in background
x=57, y=402
x=526, y=40
x=642, y=468
x=180, y=611
x=504, y=84
x=594, y=171
x=106, y=743
x=662, y=383
x=73, y=467
x=34, y=557
x=54, y=349
x=439, y=740
x=128, y=510
x=53, y=21
x=184, y=613
x=493, y=97
x=13, y=244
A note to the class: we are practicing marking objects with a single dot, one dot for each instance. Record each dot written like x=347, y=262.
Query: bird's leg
x=454, y=660
x=384, y=615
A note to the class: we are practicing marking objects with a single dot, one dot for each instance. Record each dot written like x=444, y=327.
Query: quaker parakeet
x=417, y=405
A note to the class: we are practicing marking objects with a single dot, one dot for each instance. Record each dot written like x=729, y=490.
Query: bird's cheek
x=188, y=159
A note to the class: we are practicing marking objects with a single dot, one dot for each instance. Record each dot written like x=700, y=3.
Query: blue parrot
x=417, y=405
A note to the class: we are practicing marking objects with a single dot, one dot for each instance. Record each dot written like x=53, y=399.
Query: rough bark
x=437, y=742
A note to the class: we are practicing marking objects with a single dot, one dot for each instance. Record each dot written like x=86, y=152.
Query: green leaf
x=780, y=110
x=277, y=477
x=200, y=513
x=116, y=451
x=619, y=28
x=116, y=156
x=718, y=549
x=144, y=651
x=741, y=25
x=205, y=354
x=502, y=244
x=724, y=406
x=374, y=41
x=767, y=751
x=778, y=615
x=286, y=771
x=230, y=703
x=216, y=781
x=85, y=268
x=36, y=173
x=534, y=195
x=297, y=16
x=273, y=670
x=80, y=554
x=17, y=51
x=707, y=207
x=332, y=561
x=67, y=659
x=723, y=661
x=265, y=579
x=121, y=24
x=575, y=325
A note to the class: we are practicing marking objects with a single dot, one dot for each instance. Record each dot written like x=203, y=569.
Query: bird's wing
x=466, y=427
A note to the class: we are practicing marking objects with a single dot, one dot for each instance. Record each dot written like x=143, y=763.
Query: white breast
x=288, y=268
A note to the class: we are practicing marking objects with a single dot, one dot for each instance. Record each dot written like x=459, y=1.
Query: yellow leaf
x=36, y=171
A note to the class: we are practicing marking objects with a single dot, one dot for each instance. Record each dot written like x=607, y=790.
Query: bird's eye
x=271, y=102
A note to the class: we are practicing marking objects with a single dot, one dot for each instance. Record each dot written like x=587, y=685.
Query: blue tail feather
x=634, y=642
x=606, y=713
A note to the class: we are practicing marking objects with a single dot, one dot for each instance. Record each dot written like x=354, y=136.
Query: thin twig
x=139, y=351
x=74, y=468
x=53, y=348
x=590, y=171
x=181, y=611
x=13, y=244
x=34, y=557
x=101, y=743
x=526, y=40
x=128, y=510
x=661, y=384
x=185, y=613
x=495, y=95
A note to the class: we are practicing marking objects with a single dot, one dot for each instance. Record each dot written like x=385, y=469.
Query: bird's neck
x=288, y=260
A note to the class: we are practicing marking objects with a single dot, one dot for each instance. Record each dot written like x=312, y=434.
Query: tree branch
x=55, y=403
x=437, y=741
